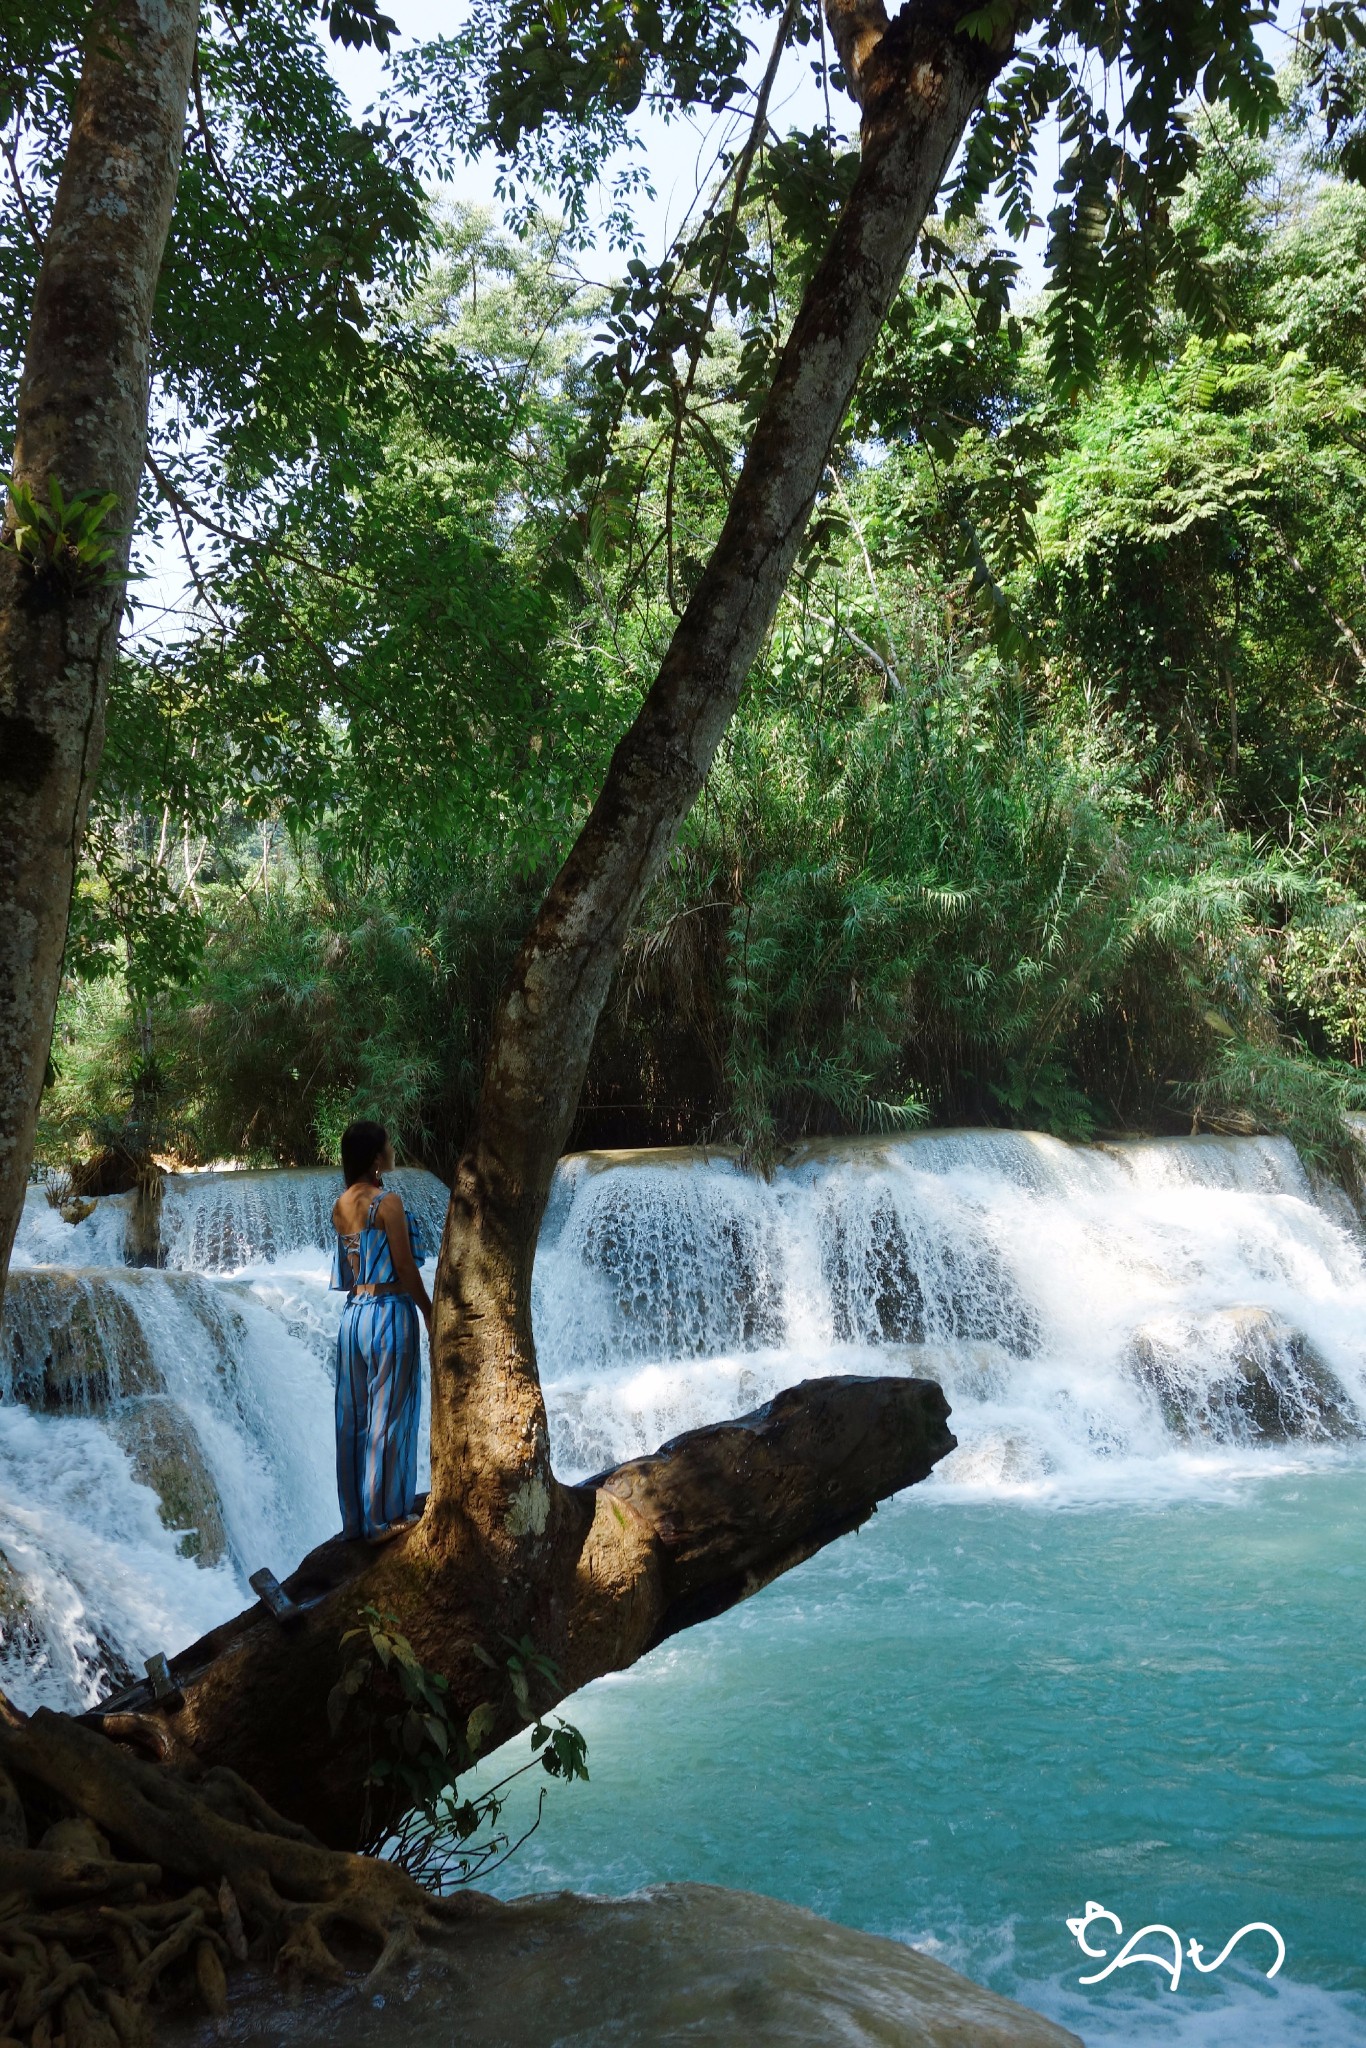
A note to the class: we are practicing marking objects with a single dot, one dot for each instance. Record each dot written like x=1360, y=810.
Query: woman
x=379, y=1243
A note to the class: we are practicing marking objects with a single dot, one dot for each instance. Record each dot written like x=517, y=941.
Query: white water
x=1034, y=1279
x=227, y=1353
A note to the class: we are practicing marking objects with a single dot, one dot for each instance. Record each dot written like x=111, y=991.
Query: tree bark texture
x=83, y=422
x=918, y=82
x=652, y=1547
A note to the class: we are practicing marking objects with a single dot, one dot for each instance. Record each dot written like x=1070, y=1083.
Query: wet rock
x=71, y=1343
x=19, y=1639
x=142, y=1239
x=674, y=1966
x=893, y=1284
x=1243, y=1375
x=874, y=1288
x=165, y=1455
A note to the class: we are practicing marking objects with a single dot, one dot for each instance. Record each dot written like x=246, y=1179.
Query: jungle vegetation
x=1044, y=803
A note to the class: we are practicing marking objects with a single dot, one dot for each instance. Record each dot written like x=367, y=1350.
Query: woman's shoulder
x=352, y=1208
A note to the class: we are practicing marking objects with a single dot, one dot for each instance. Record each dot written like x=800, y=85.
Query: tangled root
x=146, y=1883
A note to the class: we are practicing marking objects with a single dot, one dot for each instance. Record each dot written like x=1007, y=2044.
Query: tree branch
x=181, y=504
x=642, y=1551
x=744, y=164
x=856, y=29
x=1343, y=626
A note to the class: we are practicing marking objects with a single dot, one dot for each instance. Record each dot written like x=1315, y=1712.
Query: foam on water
x=44, y=1239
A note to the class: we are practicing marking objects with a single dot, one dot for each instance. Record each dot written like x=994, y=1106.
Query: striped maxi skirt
x=379, y=1386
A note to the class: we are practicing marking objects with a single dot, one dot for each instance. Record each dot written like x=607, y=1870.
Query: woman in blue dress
x=379, y=1243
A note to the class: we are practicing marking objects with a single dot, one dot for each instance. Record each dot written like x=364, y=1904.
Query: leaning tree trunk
x=83, y=426
x=595, y=1574
x=918, y=82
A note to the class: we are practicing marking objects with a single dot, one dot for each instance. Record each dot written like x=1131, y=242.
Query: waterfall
x=164, y=1432
x=1088, y=1309
x=1127, y=1317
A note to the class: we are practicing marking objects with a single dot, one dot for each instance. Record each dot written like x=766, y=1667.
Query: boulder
x=164, y=1453
x=71, y=1342
x=1243, y=1375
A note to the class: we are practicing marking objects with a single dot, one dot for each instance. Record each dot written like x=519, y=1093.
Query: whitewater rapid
x=1124, y=1321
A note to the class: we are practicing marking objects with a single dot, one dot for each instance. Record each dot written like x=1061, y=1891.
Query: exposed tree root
x=144, y=1886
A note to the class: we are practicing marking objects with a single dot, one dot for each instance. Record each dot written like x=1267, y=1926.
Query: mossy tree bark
x=82, y=423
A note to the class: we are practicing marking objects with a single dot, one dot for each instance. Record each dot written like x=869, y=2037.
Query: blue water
x=962, y=1724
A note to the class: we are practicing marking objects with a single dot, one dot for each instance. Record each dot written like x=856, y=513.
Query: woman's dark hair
x=361, y=1146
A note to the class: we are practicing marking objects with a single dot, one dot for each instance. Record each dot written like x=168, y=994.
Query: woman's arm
x=401, y=1252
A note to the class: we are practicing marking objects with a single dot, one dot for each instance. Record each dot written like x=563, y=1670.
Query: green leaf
x=480, y=1725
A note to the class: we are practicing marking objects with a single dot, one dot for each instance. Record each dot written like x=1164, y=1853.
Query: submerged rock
x=675, y=1966
x=1243, y=1375
x=71, y=1342
x=165, y=1455
x=19, y=1638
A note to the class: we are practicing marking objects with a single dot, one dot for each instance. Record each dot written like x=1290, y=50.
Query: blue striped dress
x=379, y=1383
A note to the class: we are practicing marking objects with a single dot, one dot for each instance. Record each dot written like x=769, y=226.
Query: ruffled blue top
x=375, y=1261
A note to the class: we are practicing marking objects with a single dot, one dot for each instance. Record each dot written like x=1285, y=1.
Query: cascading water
x=1155, y=1353
x=1090, y=1311
x=163, y=1432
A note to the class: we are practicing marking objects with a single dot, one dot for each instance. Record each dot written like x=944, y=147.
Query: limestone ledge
x=677, y=1964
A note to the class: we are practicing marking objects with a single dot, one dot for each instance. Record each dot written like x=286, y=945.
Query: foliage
x=418, y=1746
x=1195, y=561
x=955, y=911
x=1043, y=794
x=68, y=538
x=1316, y=1102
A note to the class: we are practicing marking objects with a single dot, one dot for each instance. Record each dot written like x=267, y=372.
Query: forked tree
x=592, y=1575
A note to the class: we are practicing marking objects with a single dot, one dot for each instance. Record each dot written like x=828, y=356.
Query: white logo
x=1130, y=1953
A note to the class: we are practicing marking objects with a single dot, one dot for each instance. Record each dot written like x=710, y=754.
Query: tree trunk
x=596, y=1574
x=918, y=83
x=82, y=424
x=652, y=1547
